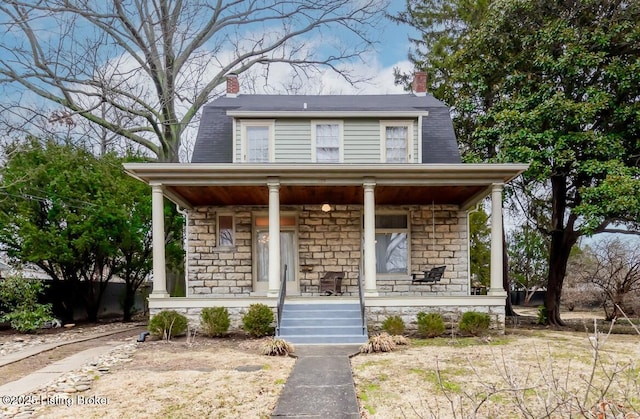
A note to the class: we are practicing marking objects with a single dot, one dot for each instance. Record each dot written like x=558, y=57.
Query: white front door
x=288, y=257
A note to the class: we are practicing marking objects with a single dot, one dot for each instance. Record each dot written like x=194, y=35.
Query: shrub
x=276, y=347
x=378, y=343
x=19, y=301
x=215, y=321
x=258, y=321
x=430, y=325
x=474, y=323
x=393, y=325
x=542, y=315
x=400, y=340
x=167, y=324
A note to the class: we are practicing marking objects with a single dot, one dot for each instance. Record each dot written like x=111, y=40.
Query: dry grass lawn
x=526, y=373
x=177, y=380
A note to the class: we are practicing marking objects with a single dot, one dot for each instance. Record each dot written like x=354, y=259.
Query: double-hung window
x=326, y=141
x=397, y=140
x=225, y=230
x=392, y=242
x=257, y=141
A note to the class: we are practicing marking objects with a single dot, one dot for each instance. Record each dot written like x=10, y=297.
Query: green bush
x=474, y=323
x=20, y=306
x=430, y=325
x=393, y=325
x=542, y=315
x=167, y=324
x=215, y=321
x=258, y=321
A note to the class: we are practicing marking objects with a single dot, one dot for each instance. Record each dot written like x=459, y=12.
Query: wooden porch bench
x=331, y=283
x=433, y=275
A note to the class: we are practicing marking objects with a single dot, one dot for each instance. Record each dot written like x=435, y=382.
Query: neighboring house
x=369, y=185
x=28, y=270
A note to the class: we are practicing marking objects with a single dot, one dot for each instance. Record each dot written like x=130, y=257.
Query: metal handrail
x=281, y=295
x=362, y=309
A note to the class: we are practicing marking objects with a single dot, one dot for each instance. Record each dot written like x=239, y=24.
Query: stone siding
x=450, y=314
x=329, y=241
x=193, y=316
x=375, y=315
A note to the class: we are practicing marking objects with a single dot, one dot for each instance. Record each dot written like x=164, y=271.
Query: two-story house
x=368, y=186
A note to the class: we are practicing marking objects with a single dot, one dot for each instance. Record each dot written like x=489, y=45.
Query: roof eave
x=326, y=114
x=309, y=174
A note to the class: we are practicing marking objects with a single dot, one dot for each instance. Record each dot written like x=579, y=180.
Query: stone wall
x=193, y=316
x=329, y=241
x=450, y=314
x=375, y=315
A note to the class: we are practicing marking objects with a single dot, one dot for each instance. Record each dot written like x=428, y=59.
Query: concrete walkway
x=320, y=385
x=37, y=379
x=37, y=349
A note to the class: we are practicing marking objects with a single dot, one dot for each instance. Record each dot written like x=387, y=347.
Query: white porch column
x=496, y=287
x=370, y=287
x=274, y=237
x=159, y=266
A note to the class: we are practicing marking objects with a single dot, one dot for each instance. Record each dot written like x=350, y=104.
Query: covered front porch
x=263, y=202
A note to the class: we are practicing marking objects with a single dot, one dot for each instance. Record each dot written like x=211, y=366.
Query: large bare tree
x=141, y=69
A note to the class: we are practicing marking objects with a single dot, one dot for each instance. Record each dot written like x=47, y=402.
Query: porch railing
x=362, y=308
x=281, y=295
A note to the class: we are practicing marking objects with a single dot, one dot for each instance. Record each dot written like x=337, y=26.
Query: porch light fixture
x=326, y=207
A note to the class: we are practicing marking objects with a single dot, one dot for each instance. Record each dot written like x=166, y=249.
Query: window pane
x=327, y=143
x=287, y=255
x=391, y=221
x=396, y=144
x=262, y=253
x=391, y=253
x=225, y=230
x=257, y=144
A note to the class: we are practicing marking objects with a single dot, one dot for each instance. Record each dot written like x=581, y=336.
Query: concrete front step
x=315, y=314
x=319, y=321
x=328, y=324
x=325, y=340
x=321, y=330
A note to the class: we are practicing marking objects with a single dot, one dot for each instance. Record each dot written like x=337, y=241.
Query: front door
x=288, y=257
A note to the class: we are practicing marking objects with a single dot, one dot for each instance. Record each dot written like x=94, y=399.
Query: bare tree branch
x=142, y=69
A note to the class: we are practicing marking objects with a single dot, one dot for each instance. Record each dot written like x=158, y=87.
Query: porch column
x=274, y=237
x=496, y=286
x=370, y=287
x=157, y=221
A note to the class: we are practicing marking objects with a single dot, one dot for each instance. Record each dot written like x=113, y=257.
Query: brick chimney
x=233, y=86
x=420, y=83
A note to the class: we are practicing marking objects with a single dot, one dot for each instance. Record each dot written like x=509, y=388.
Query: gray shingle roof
x=214, y=140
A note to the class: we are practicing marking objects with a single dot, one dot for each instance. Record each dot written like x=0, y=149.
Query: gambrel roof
x=214, y=140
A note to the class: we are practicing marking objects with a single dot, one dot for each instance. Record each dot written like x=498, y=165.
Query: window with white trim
x=226, y=230
x=257, y=141
x=392, y=243
x=397, y=139
x=326, y=142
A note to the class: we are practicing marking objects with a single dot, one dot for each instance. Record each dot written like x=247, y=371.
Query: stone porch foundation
x=377, y=308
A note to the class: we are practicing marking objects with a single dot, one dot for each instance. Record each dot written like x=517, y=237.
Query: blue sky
x=395, y=44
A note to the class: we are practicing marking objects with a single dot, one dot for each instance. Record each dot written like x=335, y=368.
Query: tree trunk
x=561, y=244
x=129, y=301
x=506, y=284
x=563, y=237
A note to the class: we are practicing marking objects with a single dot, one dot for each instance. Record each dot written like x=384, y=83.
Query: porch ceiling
x=318, y=194
x=192, y=185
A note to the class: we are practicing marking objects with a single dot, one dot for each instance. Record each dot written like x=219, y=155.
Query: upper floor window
x=397, y=138
x=257, y=141
x=326, y=142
